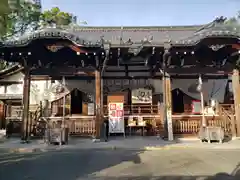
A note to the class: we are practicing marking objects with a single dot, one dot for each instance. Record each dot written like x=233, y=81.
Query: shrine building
x=159, y=74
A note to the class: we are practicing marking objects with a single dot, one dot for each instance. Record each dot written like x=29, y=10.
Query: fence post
x=233, y=127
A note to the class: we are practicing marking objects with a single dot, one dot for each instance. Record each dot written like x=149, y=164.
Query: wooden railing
x=227, y=107
x=79, y=125
x=183, y=124
x=191, y=124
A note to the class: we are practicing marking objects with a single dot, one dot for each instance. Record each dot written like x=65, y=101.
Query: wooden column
x=167, y=95
x=236, y=95
x=26, y=98
x=98, y=120
x=168, y=106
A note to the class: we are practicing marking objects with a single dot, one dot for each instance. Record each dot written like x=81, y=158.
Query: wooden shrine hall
x=155, y=72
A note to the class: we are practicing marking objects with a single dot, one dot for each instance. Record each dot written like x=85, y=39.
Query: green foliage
x=16, y=17
x=4, y=10
x=25, y=16
x=235, y=21
x=56, y=17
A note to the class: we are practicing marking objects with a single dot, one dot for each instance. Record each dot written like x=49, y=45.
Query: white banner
x=141, y=95
x=91, y=109
x=116, y=118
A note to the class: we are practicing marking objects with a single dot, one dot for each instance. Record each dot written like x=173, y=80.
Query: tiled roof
x=48, y=33
x=119, y=35
x=114, y=35
x=212, y=30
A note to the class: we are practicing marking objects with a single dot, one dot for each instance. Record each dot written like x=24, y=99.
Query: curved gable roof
x=211, y=30
x=49, y=33
x=157, y=35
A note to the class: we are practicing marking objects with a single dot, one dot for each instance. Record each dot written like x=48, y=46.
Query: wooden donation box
x=88, y=109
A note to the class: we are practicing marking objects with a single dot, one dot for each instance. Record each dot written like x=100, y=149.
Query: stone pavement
x=134, y=143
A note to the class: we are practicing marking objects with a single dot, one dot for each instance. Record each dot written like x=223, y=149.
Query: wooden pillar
x=26, y=98
x=167, y=96
x=236, y=95
x=98, y=120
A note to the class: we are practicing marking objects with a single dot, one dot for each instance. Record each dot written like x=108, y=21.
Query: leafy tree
x=4, y=11
x=17, y=18
x=26, y=16
x=56, y=17
x=234, y=20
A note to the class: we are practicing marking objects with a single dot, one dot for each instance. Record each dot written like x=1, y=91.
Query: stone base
x=96, y=140
x=25, y=141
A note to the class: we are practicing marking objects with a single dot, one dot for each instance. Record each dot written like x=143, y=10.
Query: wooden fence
x=183, y=124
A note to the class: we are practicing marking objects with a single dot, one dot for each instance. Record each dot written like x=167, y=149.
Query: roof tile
x=136, y=34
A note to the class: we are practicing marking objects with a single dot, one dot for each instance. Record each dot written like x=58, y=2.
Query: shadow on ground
x=62, y=165
x=84, y=164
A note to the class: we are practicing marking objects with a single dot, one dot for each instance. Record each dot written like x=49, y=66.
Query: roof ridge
x=139, y=28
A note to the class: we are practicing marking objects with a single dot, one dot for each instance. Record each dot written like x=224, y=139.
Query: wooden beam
x=236, y=46
x=62, y=71
x=200, y=70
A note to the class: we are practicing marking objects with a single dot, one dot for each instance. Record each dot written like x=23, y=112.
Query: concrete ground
x=130, y=143
x=80, y=164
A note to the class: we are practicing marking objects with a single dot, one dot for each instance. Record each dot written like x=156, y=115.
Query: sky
x=146, y=12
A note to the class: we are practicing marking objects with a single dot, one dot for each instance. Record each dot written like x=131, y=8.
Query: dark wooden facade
x=161, y=52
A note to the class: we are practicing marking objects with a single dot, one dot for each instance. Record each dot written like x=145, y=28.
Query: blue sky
x=146, y=12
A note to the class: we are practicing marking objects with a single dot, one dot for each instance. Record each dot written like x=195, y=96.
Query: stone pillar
x=236, y=95
x=26, y=97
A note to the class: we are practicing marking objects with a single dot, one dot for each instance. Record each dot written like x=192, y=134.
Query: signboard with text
x=141, y=95
x=116, y=118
